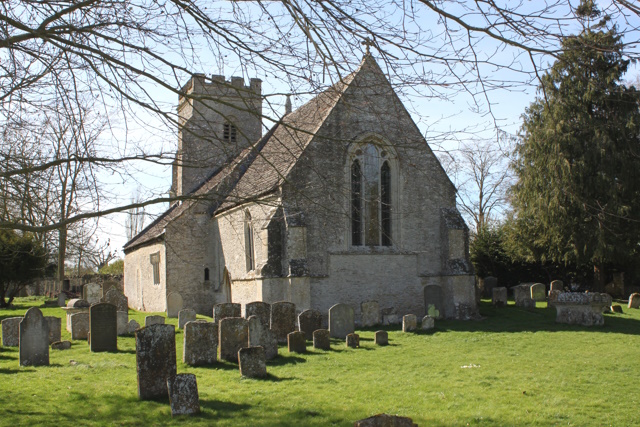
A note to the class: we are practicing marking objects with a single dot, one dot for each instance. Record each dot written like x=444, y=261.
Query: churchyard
x=517, y=366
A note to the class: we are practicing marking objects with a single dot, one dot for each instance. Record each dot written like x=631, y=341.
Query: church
x=341, y=201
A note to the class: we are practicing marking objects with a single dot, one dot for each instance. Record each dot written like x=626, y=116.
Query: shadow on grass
x=282, y=360
x=270, y=378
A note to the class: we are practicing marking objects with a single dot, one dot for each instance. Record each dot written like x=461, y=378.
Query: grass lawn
x=514, y=368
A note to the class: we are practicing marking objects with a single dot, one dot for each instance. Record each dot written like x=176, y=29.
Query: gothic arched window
x=248, y=241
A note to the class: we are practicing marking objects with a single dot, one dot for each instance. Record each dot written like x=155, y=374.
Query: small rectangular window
x=155, y=263
x=229, y=133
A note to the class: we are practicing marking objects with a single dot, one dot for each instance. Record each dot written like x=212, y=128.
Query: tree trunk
x=599, y=277
x=62, y=252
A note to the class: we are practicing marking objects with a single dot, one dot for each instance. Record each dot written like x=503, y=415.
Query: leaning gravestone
x=183, y=394
x=252, y=361
x=634, y=300
x=321, y=339
x=499, y=297
x=433, y=301
x=296, y=342
x=113, y=296
x=103, y=327
x=11, y=332
x=186, y=315
x=123, y=322
x=79, y=326
x=34, y=339
x=309, y=321
x=261, y=336
x=92, y=292
x=538, y=292
x=153, y=320
x=233, y=334
x=353, y=340
x=155, y=360
x=55, y=328
x=283, y=319
x=382, y=337
x=556, y=285
x=428, y=323
x=174, y=304
x=261, y=310
x=384, y=420
x=369, y=314
x=341, y=321
x=200, y=343
x=226, y=309
x=409, y=323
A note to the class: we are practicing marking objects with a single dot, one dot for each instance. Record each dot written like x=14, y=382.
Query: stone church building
x=342, y=201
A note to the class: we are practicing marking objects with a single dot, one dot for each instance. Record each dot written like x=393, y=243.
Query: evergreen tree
x=22, y=259
x=577, y=199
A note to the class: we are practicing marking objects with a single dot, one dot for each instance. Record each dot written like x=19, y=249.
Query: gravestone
x=261, y=310
x=61, y=345
x=341, y=321
x=369, y=314
x=428, y=323
x=78, y=303
x=103, y=327
x=132, y=326
x=283, y=319
x=433, y=301
x=499, y=297
x=253, y=362
x=384, y=420
x=174, y=304
x=62, y=299
x=353, y=340
x=616, y=309
x=522, y=295
x=34, y=339
x=155, y=360
x=92, y=292
x=79, y=326
x=556, y=285
x=115, y=297
x=489, y=283
x=260, y=335
x=538, y=292
x=382, y=337
x=183, y=394
x=409, y=323
x=186, y=315
x=55, y=328
x=123, y=322
x=552, y=298
x=321, y=339
x=226, y=309
x=233, y=334
x=634, y=300
x=309, y=321
x=11, y=332
x=200, y=343
x=153, y=320
x=297, y=342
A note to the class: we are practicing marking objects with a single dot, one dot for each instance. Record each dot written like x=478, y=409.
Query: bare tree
x=134, y=223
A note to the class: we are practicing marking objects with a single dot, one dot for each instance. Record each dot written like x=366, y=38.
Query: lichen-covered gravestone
x=522, y=295
x=92, y=292
x=103, y=327
x=634, y=300
x=200, y=343
x=428, y=323
x=55, y=328
x=226, y=309
x=153, y=320
x=183, y=394
x=115, y=297
x=79, y=326
x=499, y=297
x=296, y=342
x=353, y=340
x=309, y=321
x=369, y=314
x=34, y=339
x=186, y=315
x=11, y=332
x=433, y=301
x=321, y=339
x=174, y=304
x=261, y=310
x=409, y=323
x=538, y=292
x=261, y=336
x=341, y=321
x=233, y=334
x=382, y=337
x=155, y=360
x=252, y=361
x=283, y=319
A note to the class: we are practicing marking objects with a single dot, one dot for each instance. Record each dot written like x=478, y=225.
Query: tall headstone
x=233, y=334
x=11, y=332
x=433, y=301
x=34, y=339
x=155, y=360
x=370, y=314
x=103, y=327
x=123, y=322
x=174, y=304
x=538, y=292
x=409, y=323
x=309, y=321
x=55, y=328
x=499, y=298
x=321, y=339
x=226, y=309
x=92, y=292
x=634, y=300
x=186, y=315
x=261, y=336
x=341, y=321
x=79, y=326
x=556, y=285
x=115, y=297
x=183, y=394
x=283, y=319
x=252, y=361
x=200, y=343
x=153, y=320
x=261, y=310
x=296, y=342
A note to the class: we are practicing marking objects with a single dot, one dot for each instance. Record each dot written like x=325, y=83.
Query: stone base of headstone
x=409, y=323
x=382, y=338
x=297, y=342
x=183, y=394
x=253, y=362
x=499, y=297
x=321, y=339
x=61, y=345
x=428, y=323
x=384, y=420
x=353, y=340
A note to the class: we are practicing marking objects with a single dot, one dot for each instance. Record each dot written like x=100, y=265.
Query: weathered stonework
x=321, y=339
x=296, y=342
x=382, y=337
x=499, y=297
x=233, y=334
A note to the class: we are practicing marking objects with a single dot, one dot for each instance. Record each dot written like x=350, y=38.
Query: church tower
x=218, y=118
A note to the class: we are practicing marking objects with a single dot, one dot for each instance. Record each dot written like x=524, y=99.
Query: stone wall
x=143, y=294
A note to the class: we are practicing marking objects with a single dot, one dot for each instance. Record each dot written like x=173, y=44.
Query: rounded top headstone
x=78, y=303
